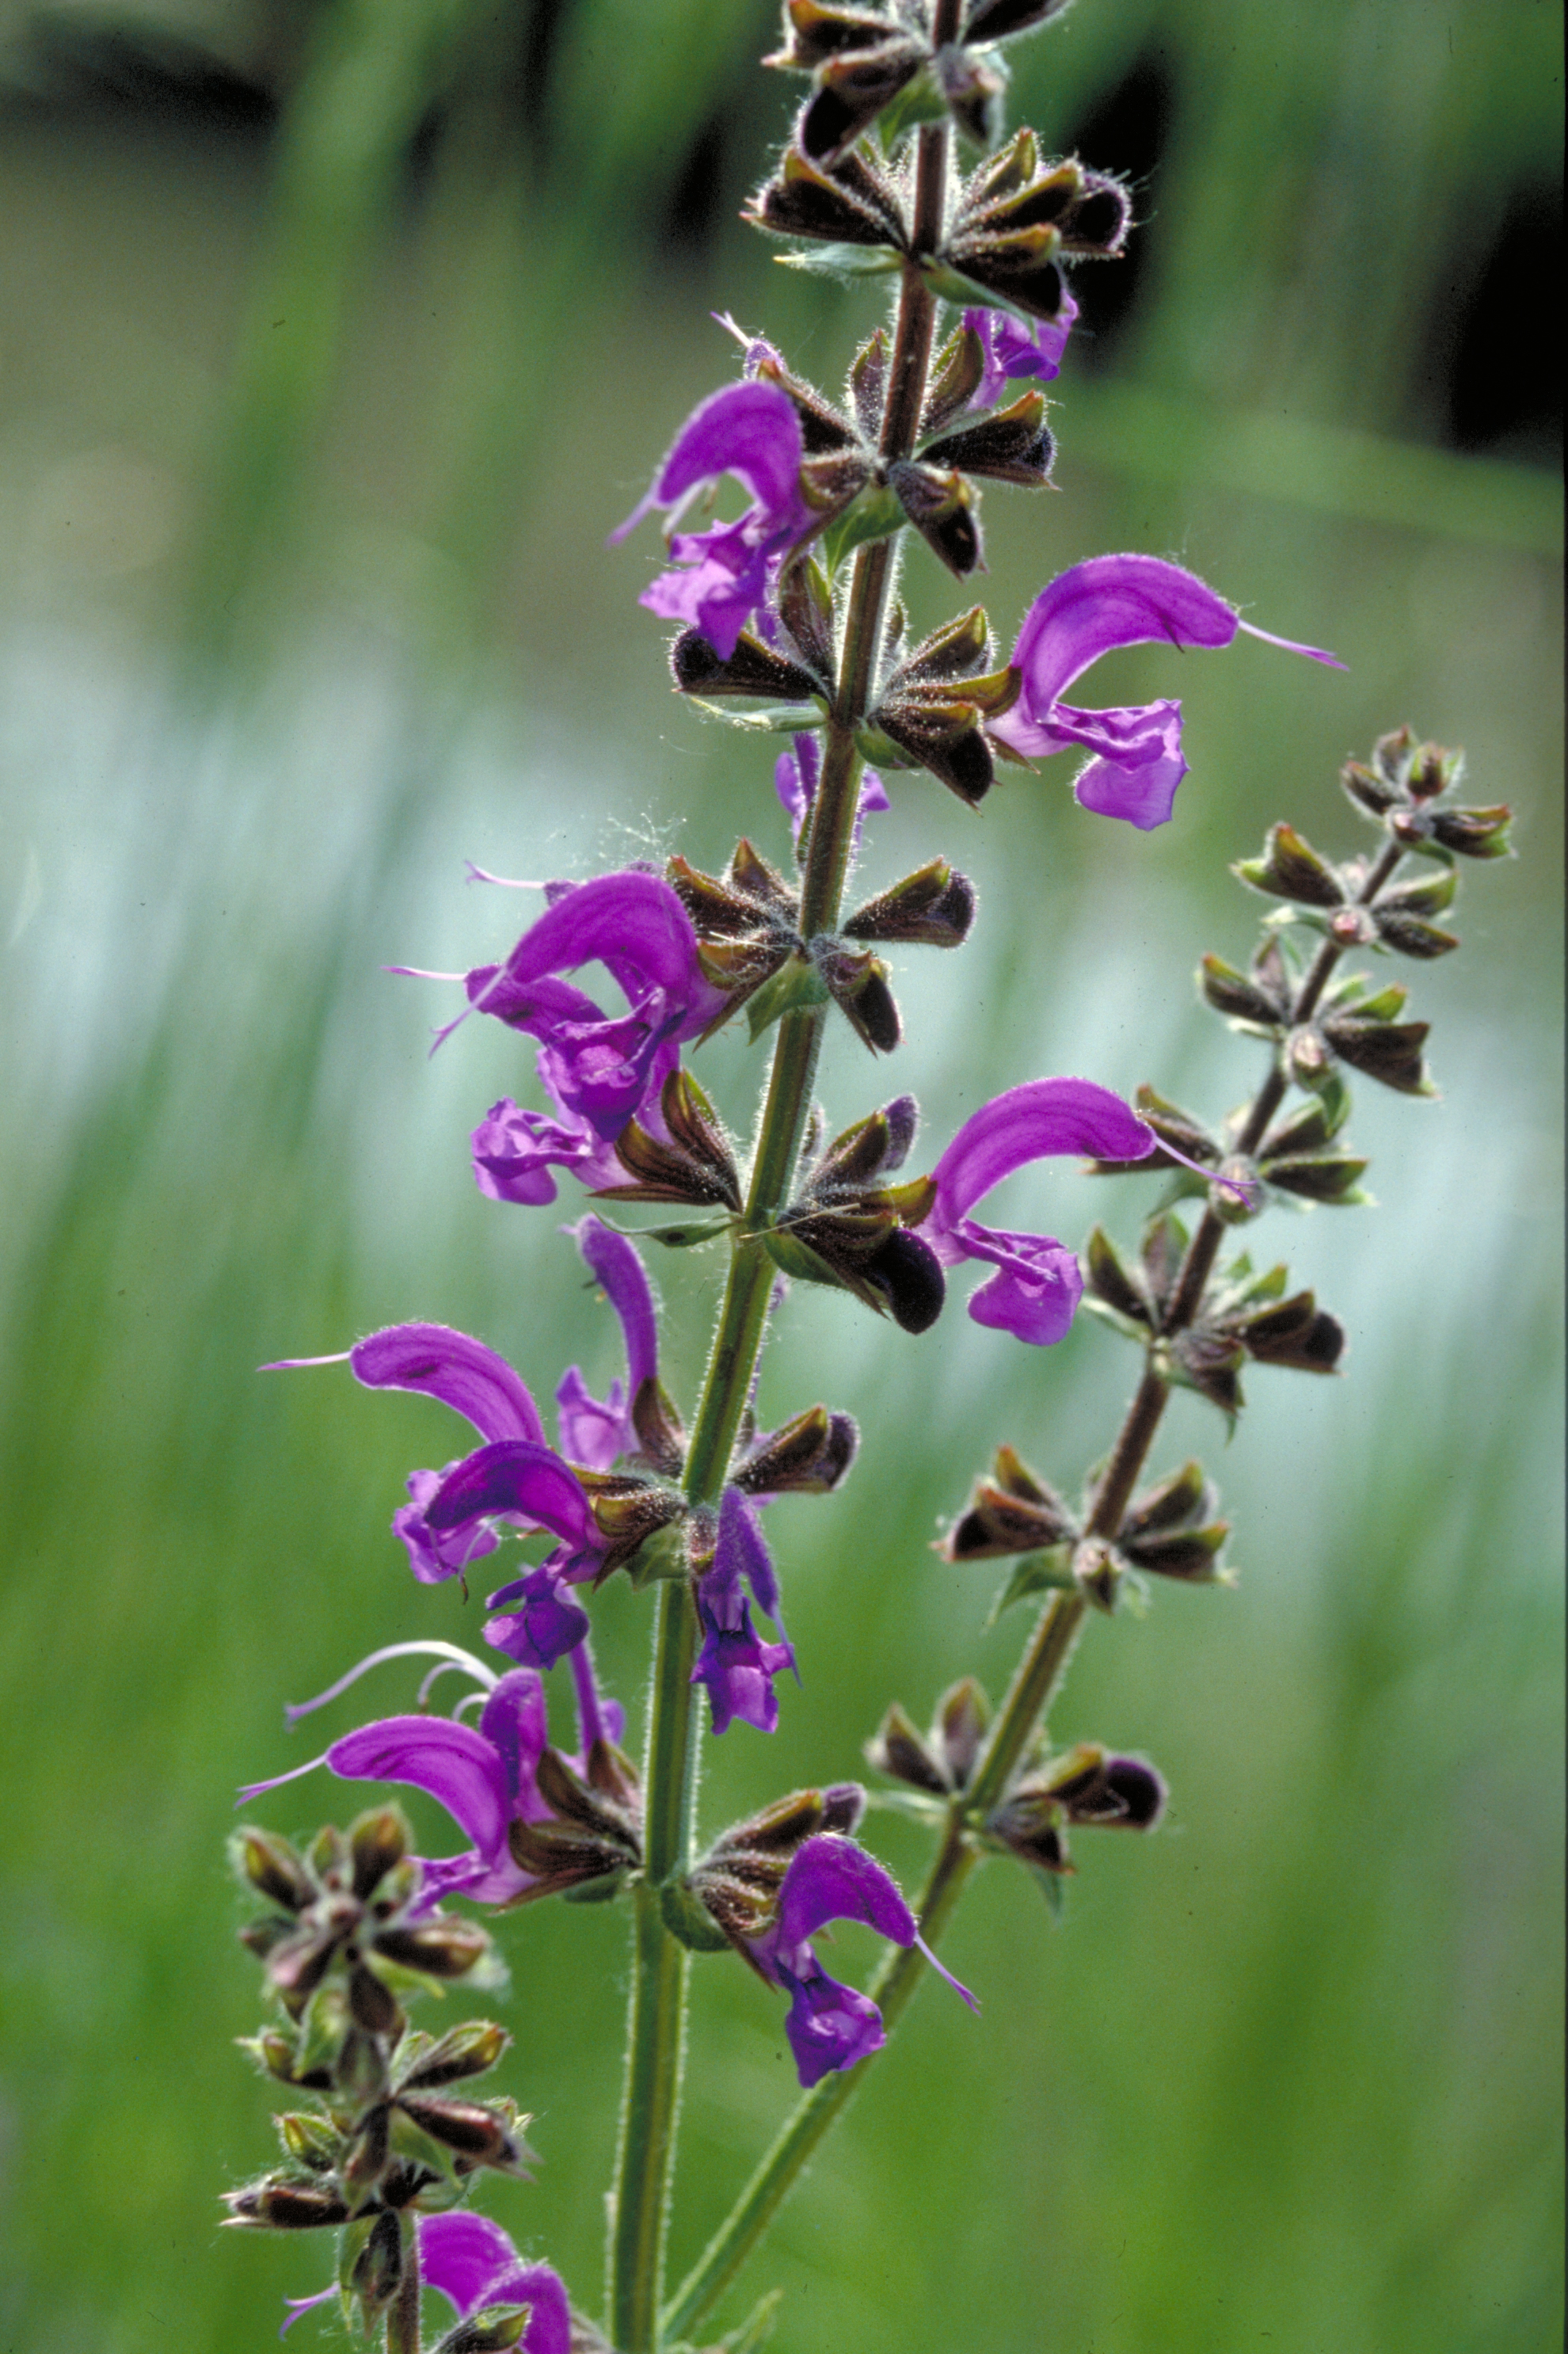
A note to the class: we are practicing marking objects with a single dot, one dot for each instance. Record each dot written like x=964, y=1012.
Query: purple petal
x=1037, y=1289
x=514, y=1723
x=298, y=2304
x=593, y=1433
x=1133, y=736
x=831, y=1879
x=542, y=1003
x=460, y=2254
x=549, y=2329
x=467, y=1875
x=795, y=775
x=738, y=1668
x=624, y=921
x=1092, y=609
x=749, y=430
x=1294, y=646
x=621, y=1275
x=1145, y=797
x=458, y=1766
x=517, y=1478
x=873, y=798
x=741, y=1550
x=715, y=597
x=597, y=1069
x=548, y=1626
x=471, y=2261
x=1014, y=350
x=598, y=1719
x=515, y=1150
x=721, y=576
x=434, y=1555
x=1042, y=1118
x=463, y=1372
x=830, y=2026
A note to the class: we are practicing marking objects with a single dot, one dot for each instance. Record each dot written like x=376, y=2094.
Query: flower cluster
x=786, y=508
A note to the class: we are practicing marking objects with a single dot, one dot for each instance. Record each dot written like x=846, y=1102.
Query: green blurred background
x=333, y=340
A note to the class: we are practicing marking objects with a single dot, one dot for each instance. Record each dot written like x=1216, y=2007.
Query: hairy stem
x=1035, y=1685
x=403, y=2314
x=655, y=2025
x=1039, y=1673
x=1203, y=1249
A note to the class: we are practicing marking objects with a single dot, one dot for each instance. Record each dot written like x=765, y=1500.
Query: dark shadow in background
x=1503, y=373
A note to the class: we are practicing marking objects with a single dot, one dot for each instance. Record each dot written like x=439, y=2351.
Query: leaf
x=918, y=1804
x=1037, y=1573
x=793, y=989
x=830, y=261
x=875, y=514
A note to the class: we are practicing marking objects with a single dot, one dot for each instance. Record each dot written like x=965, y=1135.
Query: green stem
x=1033, y=1687
x=1203, y=1249
x=656, y=2021
x=891, y=1986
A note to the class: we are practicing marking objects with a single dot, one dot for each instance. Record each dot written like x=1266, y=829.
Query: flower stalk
x=1035, y=1682
x=655, y=2025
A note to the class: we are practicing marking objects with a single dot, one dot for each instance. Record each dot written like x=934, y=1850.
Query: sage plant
x=788, y=619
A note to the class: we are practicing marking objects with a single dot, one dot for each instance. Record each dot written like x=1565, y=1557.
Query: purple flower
x=830, y=1879
x=1090, y=610
x=514, y=1150
x=515, y=1476
x=1037, y=1285
x=598, y=1069
x=593, y=1433
x=484, y=1775
x=735, y=1665
x=1014, y=349
x=720, y=576
x=471, y=2261
x=795, y=776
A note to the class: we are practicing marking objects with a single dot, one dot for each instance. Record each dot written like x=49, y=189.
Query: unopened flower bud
x=934, y=906
x=1113, y=1793
x=754, y=672
x=808, y=1455
x=471, y=2129
x=281, y=2206
x=940, y=505
x=367, y=2160
x=310, y=2140
x=489, y=2331
x=374, y=2006
x=897, y=1750
x=470, y=2050
x=273, y=1867
x=858, y=984
x=1289, y=868
x=275, y=2053
x=376, y=1842
x=963, y=1713
x=378, y=2267
x=329, y=1858
x=440, y=1948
